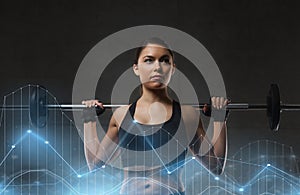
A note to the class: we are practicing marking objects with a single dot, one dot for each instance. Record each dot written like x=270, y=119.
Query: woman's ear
x=136, y=69
x=173, y=70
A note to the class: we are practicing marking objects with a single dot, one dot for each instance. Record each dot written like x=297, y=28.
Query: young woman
x=159, y=117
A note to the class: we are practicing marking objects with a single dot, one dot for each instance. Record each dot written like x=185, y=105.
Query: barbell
x=38, y=107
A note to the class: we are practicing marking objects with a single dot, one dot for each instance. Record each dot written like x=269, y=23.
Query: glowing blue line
x=173, y=137
x=286, y=179
x=218, y=188
x=157, y=155
x=148, y=143
x=203, y=166
x=278, y=172
x=256, y=176
x=277, y=169
x=21, y=138
x=100, y=169
x=93, y=171
x=63, y=159
x=143, y=178
x=41, y=170
x=43, y=140
x=117, y=147
x=241, y=162
x=39, y=138
x=280, y=177
x=185, y=162
x=12, y=148
x=213, y=175
x=146, y=138
x=222, y=181
x=6, y=156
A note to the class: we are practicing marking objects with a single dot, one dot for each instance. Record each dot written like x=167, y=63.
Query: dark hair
x=153, y=40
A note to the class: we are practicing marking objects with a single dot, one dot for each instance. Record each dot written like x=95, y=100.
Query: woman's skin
x=155, y=68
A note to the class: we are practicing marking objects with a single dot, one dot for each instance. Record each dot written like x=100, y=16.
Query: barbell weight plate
x=273, y=107
x=38, y=111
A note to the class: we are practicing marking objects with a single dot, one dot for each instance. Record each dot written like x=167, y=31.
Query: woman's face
x=155, y=66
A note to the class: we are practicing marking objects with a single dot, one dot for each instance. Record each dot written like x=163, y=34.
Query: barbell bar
x=232, y=106
x=39, y=107
x=79, y=107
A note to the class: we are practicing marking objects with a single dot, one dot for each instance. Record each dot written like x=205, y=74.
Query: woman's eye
x=166, y=61
x=148, y=61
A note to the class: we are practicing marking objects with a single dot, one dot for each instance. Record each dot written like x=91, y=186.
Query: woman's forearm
x=213, y=151
x=219, y=139
x=91, y=144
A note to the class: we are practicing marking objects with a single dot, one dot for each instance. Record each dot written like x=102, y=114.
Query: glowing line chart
x=51, y=161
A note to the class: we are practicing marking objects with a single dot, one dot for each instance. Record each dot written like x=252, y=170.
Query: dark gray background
x=254, y=42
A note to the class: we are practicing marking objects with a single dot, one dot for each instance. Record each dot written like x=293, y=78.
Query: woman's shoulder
x=187, y=108
x=119, y=114
x=189, y=113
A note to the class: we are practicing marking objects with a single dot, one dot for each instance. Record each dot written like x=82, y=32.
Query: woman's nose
x=157, y=65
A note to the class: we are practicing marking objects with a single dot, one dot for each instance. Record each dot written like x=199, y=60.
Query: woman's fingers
x=100, y=104
x=219, y=102
x=92, y=103
x=226, y=102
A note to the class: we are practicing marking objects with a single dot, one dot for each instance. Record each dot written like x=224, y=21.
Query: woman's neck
x=155, y=95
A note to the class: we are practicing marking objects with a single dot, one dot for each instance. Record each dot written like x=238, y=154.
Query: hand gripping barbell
x=38, y=107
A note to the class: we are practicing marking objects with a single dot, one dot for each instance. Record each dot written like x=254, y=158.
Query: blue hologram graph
x=51, y=160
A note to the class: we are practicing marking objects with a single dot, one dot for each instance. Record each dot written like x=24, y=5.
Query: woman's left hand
x=218, y=108
x=219, y=102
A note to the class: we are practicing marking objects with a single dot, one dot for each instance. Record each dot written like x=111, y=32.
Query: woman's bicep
x=203, y=149
x=193, y=126
x=198, y=137
x=111, y=139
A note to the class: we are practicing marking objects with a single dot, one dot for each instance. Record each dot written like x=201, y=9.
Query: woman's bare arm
x=99, y=152
x=96, y=152
x=211, y=151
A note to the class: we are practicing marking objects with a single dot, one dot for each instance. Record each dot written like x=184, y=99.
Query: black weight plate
x=273, y=107
x=38, y=110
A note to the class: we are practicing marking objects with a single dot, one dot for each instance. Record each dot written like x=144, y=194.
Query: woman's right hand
x=92, y=103
x=93, y=109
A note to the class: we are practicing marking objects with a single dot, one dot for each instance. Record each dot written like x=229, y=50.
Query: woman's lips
x=156, y=77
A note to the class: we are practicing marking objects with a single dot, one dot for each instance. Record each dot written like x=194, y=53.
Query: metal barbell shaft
x=290, y=107
x=231, y=106
x=38, y=107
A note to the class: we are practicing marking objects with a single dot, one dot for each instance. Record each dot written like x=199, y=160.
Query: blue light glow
x=51, y=160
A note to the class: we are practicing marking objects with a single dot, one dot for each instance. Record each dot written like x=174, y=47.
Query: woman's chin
x=155, y=85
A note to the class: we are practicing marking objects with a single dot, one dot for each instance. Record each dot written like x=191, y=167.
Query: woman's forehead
x=155, y=49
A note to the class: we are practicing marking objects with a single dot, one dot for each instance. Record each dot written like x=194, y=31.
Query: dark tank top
x=142, y=142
